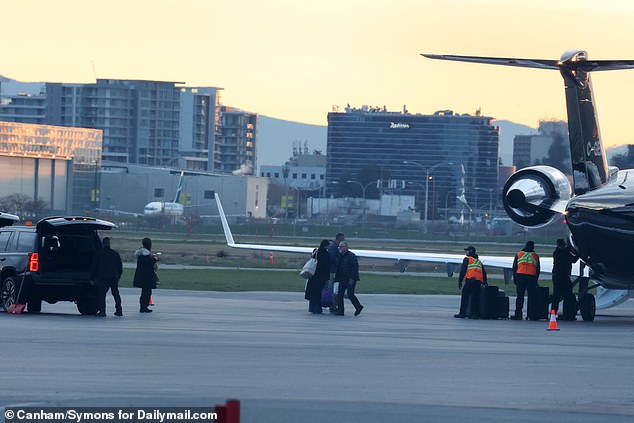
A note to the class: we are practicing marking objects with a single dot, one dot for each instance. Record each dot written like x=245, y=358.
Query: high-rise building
x=199, y=131
x=25, y=108
x=235, y=151
x=401, y=150
x=139, y=119
x=152, y=123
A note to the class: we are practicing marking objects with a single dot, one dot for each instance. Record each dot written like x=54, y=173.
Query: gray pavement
x=405, y=359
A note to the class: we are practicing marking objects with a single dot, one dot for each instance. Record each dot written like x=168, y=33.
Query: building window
x=303, y=176
x=294, y=175
x=312, y=176
x=209, y=194
x=277, y=175
x=321, y=177
x=159, y=192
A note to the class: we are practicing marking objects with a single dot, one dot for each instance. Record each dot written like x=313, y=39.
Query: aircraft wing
x=502, y=262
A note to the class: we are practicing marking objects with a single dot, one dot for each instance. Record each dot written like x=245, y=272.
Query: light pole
x=427, y=172
x=285, y=171
x=363, y=188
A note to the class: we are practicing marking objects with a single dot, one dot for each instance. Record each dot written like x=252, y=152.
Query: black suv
x=49, y=261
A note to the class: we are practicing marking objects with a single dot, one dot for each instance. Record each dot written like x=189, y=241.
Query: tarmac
x=404, y=359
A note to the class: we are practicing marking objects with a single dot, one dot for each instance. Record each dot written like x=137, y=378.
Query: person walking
x=106, y=271
x=145, y=274
x=473, y=273
x=525, y=274
x=563, y=258
x=347, y=275
x=333, y=250
x=316, y=283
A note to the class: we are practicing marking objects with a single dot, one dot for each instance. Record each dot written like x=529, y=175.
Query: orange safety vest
x=474, y=269
x=527, y=263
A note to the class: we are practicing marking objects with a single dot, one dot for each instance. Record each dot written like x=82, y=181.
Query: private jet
x=598, y=208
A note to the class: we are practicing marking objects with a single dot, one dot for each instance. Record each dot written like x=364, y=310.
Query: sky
x=297, y=60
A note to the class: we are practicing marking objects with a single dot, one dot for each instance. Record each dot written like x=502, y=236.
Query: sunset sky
x=295, y=59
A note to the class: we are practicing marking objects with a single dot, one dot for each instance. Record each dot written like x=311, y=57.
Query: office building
x=401, y=150
x=56, y=166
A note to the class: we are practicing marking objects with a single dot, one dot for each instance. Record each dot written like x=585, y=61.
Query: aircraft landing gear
x=588, y=307
x=587, y=304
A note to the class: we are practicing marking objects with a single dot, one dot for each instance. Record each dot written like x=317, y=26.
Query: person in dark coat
x=333, y=250
x=563, y=258
x=316, y=283
x=106, y=271
x=145, y=274
x=347, y=275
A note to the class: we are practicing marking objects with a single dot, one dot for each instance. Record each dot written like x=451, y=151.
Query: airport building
x=128, y=188
x=55, y=166
x=401, y=150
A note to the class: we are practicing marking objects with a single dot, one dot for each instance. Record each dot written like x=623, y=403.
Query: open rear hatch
x=55, y=223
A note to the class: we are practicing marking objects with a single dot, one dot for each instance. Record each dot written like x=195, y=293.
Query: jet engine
x=535, y=195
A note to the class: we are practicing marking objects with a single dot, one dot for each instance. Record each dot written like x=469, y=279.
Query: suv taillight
x=34, y=264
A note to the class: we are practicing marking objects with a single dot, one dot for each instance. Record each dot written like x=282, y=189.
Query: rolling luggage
x=503, y=306
x=538, y=303
x=489, y=302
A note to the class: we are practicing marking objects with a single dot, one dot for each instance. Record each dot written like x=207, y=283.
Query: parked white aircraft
x=168, y=208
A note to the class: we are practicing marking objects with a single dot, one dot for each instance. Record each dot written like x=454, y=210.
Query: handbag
x=309, y=269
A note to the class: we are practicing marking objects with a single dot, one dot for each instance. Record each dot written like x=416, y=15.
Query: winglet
x=225, y=224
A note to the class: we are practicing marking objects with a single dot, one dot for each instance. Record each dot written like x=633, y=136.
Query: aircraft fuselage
x=601, y=223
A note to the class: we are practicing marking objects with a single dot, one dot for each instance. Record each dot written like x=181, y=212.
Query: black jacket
x=145, y=274
x=347, y=268
x=318, y=280
x=333, y=250
x=106, y=265
x=562, y=261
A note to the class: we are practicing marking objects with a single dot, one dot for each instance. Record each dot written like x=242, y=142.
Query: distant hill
x=508, y=131
x=276, y=136
x=10, y=87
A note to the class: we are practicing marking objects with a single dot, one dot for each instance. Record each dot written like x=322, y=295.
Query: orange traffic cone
x=552, y=325
x=151, y=303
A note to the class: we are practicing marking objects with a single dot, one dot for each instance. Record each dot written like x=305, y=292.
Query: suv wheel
x=8, y=291
x=87, y=305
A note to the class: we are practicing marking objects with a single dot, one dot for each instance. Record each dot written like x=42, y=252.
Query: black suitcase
x=570, y=307
x=538, y=303
x=503, y=307
x=489, y=302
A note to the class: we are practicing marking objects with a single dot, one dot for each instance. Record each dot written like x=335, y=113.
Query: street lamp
x=285, y=170
x=427, y=172
x=363, y=188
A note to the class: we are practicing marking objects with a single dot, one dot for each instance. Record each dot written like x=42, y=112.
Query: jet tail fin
x=589, y=163
x=179, y=190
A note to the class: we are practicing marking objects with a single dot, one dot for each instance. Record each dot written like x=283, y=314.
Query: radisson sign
x=399, y=125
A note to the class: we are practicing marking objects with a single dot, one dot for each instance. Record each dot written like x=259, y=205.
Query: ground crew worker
x=525, y=275
x=473, y=273
x=563, y=258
